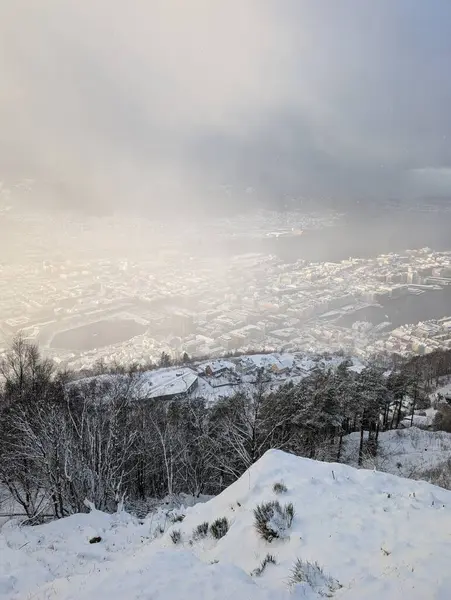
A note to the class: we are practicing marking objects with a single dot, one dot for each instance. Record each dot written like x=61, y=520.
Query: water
x=434, y=304
x=361, y=235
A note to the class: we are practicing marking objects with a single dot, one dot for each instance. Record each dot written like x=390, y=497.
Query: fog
x=206, y=177
x=154, y=105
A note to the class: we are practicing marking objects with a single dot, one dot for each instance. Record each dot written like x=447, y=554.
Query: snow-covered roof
x=356, y=366
x=281, y=361
x=166, y=382
x=217, y=365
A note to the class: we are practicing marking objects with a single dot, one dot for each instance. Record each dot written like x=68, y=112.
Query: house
x=167, y=384
x=217, y=367
x=275, y=363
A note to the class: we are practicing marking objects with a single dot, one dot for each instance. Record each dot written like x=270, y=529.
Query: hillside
x=412, y=452
x=376, y=535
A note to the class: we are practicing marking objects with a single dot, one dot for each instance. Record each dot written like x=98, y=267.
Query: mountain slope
x=379, y=535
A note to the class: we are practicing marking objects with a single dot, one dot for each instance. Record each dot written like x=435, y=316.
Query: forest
x=68, y=443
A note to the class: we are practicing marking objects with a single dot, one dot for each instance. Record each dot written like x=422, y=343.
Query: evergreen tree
x=165, y=360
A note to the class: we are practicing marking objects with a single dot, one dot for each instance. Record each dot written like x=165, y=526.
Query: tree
x=371, y=390
x=442, y=418
x=165, y=360
x=27, y=392
x=102, y=444
x=244, y=427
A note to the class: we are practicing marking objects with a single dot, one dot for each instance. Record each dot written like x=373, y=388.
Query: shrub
x=201, y=531
x=176, y=518
x=219, y=528
x=280, y=488
x=437, y=475
x=289, y=513
x=271, y=520
x=269, y=559
x=176, y=536
x=442, y=418
x=311, y=573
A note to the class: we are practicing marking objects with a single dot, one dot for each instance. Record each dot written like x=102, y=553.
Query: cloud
x=110, y=95
x=149, y=102
x=430, y=181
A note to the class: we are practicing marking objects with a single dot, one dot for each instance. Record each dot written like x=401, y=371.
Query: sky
x=156, y=104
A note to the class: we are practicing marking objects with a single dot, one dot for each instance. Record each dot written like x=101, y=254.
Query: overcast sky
x=143, y=103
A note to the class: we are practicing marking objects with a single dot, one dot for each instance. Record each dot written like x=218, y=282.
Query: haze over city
x=211, y=177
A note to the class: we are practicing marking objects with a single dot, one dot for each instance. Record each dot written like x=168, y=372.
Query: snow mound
x=379, y=535
x=163, y=575
x=357, y=534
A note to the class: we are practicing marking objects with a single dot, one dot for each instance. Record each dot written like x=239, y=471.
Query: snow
x=378, y=535
x=216, y=366
x=422, y=421
x=268, y=361
x=166, y=382
x=239, y=375
x=406, y=452
x=444, y=390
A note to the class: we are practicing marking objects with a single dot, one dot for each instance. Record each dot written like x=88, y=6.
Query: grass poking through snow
x=311, y=573
x=271, y=520
x=219, y=528
x=279, y=488
x=268, y=560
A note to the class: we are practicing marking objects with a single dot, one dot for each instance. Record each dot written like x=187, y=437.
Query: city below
x=133, y=288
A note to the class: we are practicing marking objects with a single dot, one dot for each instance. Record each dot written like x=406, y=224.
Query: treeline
x=64, y=443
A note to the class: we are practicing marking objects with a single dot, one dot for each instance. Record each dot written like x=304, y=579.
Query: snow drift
x=373, y=535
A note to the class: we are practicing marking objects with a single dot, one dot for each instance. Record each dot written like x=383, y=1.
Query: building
x=168, y=384
x=217, y=367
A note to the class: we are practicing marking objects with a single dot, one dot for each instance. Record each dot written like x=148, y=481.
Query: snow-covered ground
x=441, y=390
x=408, y=452
x=378, y=535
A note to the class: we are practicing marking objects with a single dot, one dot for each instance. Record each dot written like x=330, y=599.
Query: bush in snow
x=311, y=573
x=279, y=488
x=219, y=528
x=442, y=418
x=269, y=559
x=271, y=520
x=201, y=531
x=289, y=513
x=176, y=518
x=437, y=475
x=176, y=536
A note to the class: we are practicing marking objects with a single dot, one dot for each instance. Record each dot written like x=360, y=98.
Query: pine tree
x=165, y=360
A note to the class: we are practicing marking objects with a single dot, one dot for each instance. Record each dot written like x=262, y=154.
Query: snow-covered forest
x=64, y=443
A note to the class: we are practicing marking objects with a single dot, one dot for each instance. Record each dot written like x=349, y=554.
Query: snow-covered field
x=380, y=536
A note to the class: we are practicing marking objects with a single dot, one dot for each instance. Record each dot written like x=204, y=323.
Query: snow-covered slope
x=411, y=452
x=380, y=536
